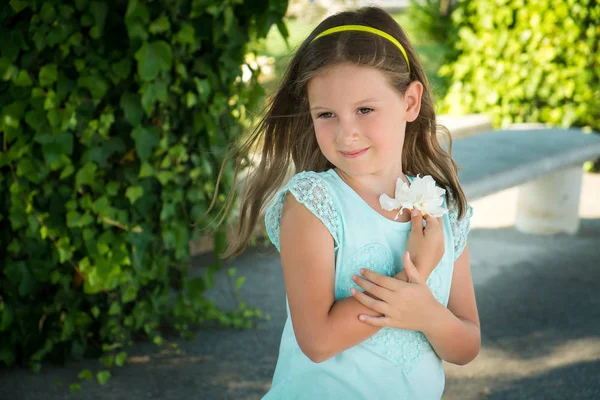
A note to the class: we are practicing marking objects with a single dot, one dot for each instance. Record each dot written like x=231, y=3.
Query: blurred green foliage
x=527, y=61
x=114, y=118
x=431, y=29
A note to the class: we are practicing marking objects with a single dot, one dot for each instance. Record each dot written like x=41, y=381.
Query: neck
x=376, y=183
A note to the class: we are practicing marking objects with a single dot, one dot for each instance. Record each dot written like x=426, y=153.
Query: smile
x=354, y=154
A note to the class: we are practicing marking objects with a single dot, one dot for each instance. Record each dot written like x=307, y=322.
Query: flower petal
x=437, y=212
x=402, y=189
x=387, y=203
x=439, y=191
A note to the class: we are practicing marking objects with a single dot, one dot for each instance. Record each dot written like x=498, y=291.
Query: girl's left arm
x=454, y=331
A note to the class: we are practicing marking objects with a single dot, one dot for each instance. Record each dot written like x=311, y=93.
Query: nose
x=347, y=131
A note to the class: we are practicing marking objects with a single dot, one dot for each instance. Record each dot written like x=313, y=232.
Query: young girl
x=354, y=114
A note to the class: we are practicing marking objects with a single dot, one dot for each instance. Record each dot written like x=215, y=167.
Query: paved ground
x=538, y=297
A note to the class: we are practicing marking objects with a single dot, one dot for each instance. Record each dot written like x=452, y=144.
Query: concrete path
x=538, y=298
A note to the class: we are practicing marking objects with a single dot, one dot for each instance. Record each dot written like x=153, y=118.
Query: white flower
x=422, y=194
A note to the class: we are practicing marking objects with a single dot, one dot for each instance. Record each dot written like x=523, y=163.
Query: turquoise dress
x=393, y=363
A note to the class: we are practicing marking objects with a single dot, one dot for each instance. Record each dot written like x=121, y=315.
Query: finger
x=380, y=280
x=432, y=222
x=375, y=321
x=416, y=219
x=370, y=287
x=411, y=270
x=375, y=305
x=371, y=296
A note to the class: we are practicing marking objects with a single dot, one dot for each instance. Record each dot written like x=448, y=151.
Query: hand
x=425, y=245
x=404, y=305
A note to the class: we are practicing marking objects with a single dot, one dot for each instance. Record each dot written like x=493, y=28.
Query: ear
x=412, y=99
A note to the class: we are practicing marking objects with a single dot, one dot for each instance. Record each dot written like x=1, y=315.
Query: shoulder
x=312, y=193
x=309, y=182
x=460, y=226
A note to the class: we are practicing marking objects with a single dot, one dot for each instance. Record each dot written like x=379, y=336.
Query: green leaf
x=152, y=58
x=152, y=92
x=103, y=377
x=99, y=11
x=18, y=5
x=36, y=119
x=79, y=65
x=101, y=206
x=240, y=282
x=75, y=387
x=136, y=10
x=12, y=114
x=210, y=276
x=186, y=35
x=121, y=69
x=7, y=70
x=107, y=361
x=283, y=30
x=112, y=188
x=158, y=340
x=132, y=109
x=160, y=25
x=48, y=74
x=7, y=355
x=36, y=367
x=19, y=274
x=191, y=99
x=146, y=170
x=77, y=220
x=164, y=177
x=133, y=193
x=51, y=100
x=47, y=13
x=129, y=294
x=95, y=84
x=86, y=374
x=86, y=175
x=6, y=318
x=66, y=11
x=203, y=88
x=67, y=171
x=220, y=241
x=195, y=286
x=23, y=79
x=81, y=4
x=31, y=169
x=136, y=31
x=12, y=44
x=120, y=359
x=229, y=20
x=146, y=138
x=64, y=248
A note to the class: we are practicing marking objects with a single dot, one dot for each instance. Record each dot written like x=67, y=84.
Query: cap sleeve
x=309, y=189
x=460, y=228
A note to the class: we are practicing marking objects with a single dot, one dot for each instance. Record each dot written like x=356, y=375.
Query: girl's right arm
x=323, y=327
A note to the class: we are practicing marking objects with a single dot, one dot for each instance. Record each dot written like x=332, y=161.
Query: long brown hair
x=286, y=131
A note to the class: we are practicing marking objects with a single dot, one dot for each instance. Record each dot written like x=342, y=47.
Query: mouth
x=353, y=154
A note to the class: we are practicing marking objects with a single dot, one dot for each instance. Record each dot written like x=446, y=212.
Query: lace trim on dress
x=309, y=189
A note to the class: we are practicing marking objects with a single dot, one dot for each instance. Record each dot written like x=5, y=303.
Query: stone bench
x=546, y=162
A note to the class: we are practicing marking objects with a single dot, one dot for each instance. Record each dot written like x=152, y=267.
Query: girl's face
x=360, y=119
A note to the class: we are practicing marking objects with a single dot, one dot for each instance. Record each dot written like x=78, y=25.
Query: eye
x=325, y=115
x=364, y=110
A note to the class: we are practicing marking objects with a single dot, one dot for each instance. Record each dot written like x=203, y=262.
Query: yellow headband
x=363, y=28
